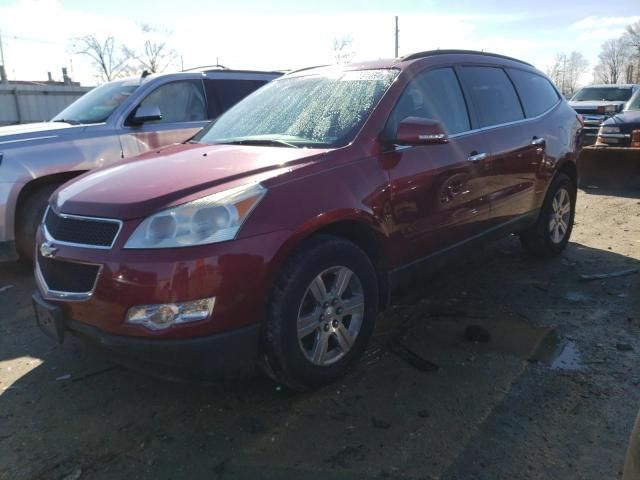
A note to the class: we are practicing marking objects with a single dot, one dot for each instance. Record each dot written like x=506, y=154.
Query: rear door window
x=492, y=95
x=436, y=95
x=181, y=101
x=536, y=92
x=224, y=94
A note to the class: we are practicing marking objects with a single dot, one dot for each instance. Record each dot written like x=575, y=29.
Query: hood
x=629, y=118
x=32, y=131
x=174, y=175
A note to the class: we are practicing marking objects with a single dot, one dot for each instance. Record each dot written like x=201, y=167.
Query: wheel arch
x=360, y=230
x=36, y=184
x=570, y=169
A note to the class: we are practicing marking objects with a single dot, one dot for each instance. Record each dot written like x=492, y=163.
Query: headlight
x=609, y=129
x=212, y=219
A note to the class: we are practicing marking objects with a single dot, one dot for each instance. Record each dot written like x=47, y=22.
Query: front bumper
x=9, y=192
x=222, y=356
x=237, y=273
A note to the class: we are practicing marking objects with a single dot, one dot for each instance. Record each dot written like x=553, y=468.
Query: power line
x=33, y=40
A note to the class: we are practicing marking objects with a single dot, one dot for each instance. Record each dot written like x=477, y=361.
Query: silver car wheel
x=560, y=215
x=330, y=315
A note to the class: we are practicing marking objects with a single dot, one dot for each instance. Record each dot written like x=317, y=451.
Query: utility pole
x=397, y=32
x=3, y=68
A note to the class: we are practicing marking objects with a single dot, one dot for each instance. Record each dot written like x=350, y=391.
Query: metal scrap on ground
x=600, y=276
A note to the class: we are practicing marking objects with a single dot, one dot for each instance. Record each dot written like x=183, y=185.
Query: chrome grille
x=83, y=231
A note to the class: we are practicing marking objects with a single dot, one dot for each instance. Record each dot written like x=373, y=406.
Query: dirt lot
x=552, y=395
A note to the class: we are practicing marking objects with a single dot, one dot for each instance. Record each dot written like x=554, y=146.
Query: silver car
x=117, y=120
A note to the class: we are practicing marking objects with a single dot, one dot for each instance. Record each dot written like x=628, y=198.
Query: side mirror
x=145, y=114
x=420, y=131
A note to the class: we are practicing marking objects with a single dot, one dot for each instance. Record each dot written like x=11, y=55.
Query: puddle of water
x=507, y=335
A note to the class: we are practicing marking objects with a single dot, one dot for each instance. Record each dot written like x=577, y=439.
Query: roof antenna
x=145, y=74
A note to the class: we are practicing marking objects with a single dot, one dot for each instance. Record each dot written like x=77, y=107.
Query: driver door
x=438, y=192
x=183, y=107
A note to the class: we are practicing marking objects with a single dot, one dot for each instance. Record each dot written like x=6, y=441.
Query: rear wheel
x=28, y=216
x=551, y=233
x=321, y=314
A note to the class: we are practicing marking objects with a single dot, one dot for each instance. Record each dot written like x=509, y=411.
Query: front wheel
x=28, y=216
x=321, y=313
x=550, y=234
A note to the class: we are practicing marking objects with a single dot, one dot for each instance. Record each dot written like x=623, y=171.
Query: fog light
x=165, y=315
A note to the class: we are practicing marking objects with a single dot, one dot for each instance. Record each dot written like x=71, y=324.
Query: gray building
x=27, y=102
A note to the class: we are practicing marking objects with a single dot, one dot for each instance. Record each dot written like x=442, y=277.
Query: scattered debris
x=476, y=333
x=74, y=475
x=219, y=469
x=378, y=423
x=339, y=416
x=411, y=357
x=624, y=347
x=600, y=276
x=252, y=425
x=5, y=288
x=95, y=373
x=63, y=377
x=346, y=455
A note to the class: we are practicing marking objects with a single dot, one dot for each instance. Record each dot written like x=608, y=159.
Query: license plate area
x=49, y=318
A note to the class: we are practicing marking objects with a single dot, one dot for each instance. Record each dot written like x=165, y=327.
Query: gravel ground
x=553, y=393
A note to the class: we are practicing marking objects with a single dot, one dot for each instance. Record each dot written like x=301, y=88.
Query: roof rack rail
x=429, y=53
x=307, y=68
x=205, y=68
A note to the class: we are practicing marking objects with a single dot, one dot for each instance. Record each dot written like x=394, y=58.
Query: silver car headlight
x=609, y=129
x=212, y=219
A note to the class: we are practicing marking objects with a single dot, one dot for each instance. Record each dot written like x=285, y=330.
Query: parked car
x=596, y=103
x=623, y=129
x=117, y=120
x=279, y=232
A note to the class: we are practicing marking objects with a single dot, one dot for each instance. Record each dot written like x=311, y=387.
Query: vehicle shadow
x=66, y=412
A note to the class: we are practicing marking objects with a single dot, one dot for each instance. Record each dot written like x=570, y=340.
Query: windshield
x=603, y=94
x=634, y=103
x=96, y=105
x=325, y=109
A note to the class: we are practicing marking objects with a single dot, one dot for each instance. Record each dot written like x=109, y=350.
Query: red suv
x=279, y=232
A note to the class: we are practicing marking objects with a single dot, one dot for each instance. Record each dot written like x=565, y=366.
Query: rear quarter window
x=492, y=94
x=536, y=92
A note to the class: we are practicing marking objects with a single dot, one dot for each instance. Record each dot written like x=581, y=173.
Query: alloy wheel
x=560, y=215
x=330, y=315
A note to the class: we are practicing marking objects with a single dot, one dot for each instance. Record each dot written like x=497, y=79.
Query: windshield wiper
x=261, y=141
x=70, y=122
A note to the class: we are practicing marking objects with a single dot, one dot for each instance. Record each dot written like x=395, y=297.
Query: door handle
x=538, y=141
x=477, y=157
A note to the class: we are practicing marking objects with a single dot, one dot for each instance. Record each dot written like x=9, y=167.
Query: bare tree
x=109, y=60
x=577, y=65
x=632, y=38
x=342, y=49
x=566, y=71
x=155, y=55
x=614, y=58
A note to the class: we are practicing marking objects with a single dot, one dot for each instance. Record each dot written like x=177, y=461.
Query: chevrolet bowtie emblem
x=47, y=250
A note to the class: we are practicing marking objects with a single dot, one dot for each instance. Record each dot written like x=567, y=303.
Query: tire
x=306, y=355
x=28, y=217
x=548, y=237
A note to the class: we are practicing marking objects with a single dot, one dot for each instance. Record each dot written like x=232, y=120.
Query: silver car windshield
x=97, y=105
x=324, y=109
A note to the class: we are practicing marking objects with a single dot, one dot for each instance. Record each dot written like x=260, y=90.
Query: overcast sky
x=292, y=34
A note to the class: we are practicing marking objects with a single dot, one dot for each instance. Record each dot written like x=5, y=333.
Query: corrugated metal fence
x=35, y=103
